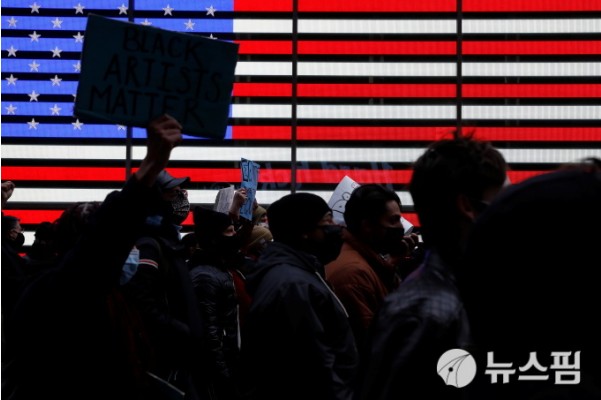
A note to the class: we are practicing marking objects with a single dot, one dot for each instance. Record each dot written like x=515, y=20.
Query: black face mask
x=392, y=242
x=228, y=246
x=327, y=250
x=179, y=208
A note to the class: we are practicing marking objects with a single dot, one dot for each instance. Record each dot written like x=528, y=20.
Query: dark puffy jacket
x=216, y=296
x=297, y=342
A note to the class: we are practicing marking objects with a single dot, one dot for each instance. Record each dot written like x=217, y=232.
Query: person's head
x=12, y=231
x=43, y=246
x=530, y=273
x=72, y=223
x=452, y=182
x=259, y=239
x=215, y=231
x=304, y=221
x=260, y=217
x=373, y=215
x=175, y=197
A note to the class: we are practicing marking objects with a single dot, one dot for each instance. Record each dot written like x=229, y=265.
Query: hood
x=276, y=255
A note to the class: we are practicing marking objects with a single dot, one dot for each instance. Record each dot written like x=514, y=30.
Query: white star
x=77, y=124
x=56, y=81
x=12, y=51
x=56, y=23
x=189, y=25
x=10, y=109
x=56, y=52
x=35, y=8
x=122, y=9
x=55, y=110
x=35, y=36
x=78, y=38
x=32, y=124
x=211, y=10
x=12, y=80
x=77, y=67
x=212, y=37
x=33, y=67
x=79, y=8
x=33, y=96
x=168, y=10
x=120, y=127
x=12, y=22
x=146, y=22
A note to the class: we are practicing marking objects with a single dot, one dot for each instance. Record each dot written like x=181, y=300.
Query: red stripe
x=532, y=90
x=261, y=133
x=376, y=47
x=63, y=173
x=263, y=5
x=263, y=89
x=543, y=134
x=265, y=46
x=372, y=133
x=361, y=176
x=376, y=6
x=376, y=90
x=532, y=47
x=35, y=216
x=530, y=5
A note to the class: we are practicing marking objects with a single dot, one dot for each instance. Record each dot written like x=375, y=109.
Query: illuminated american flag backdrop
x=324, y=88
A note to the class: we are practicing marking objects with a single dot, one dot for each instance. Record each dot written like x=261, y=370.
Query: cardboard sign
x=131, y=74
x=339, y=198
x=250, y=180
x=224, y=199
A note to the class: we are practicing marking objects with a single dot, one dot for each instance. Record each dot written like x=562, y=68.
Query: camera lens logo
x=457, y=368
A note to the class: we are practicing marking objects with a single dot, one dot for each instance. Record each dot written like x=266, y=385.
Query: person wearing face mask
x=161, y=289
x=297, y=342
x=212, y=269
x=12, y=232
x=364, y=273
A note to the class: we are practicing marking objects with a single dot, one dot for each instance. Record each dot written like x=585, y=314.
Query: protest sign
x=224, y=199
x=339, y=198
x=132, y=73
x=250, y=180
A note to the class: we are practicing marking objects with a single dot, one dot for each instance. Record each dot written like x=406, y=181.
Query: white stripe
x=263, y=25
x=264, y=68
x=544, y=156
x=261, y=111
x=585, y=25
x=263, y=154
x=375, y=26
x=375, y=69
x=208, y=153
x=196, y=197
x=532, y=112
x=375, y=112
x=532, y=69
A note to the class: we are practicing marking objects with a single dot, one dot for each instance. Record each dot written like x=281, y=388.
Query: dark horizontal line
x=376, y=58
x=377, y=79
x=345, y=100
x=559, y=15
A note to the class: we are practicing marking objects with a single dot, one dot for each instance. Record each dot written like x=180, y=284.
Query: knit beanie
x=294, y=215
x=209, y=224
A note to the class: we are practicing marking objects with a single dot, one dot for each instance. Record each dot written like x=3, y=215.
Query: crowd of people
x=112, y=302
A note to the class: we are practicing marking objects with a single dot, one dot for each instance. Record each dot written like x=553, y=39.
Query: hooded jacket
x=297, y=342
